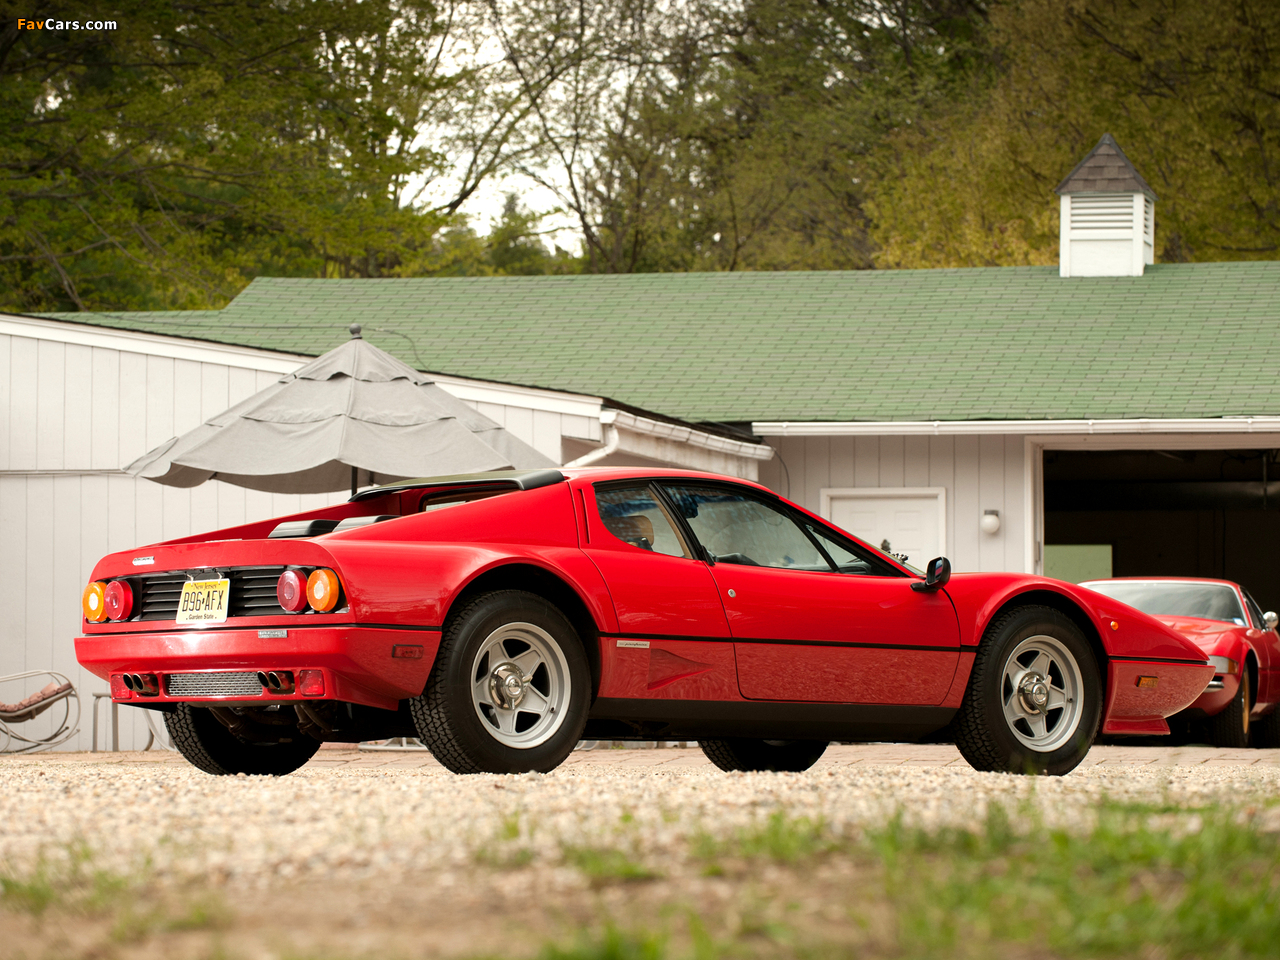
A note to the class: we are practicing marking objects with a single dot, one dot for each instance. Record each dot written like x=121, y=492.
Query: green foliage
x=724, y=136
x=1188, y=90
x=163, y=164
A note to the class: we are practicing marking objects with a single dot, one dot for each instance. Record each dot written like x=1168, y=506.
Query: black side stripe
x=1194, y=663
x=785, y=643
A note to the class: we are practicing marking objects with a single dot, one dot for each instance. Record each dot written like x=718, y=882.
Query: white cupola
x=1108, y=225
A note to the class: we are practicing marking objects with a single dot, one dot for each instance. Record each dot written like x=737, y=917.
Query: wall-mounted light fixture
x=990, y=522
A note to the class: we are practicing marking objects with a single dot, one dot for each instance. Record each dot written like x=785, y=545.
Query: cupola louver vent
x=1101, y=211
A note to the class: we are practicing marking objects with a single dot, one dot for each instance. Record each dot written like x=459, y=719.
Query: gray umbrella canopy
x=355, y=408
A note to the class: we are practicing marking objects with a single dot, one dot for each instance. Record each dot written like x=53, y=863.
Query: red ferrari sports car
x=502, y=617
x=1239, y=706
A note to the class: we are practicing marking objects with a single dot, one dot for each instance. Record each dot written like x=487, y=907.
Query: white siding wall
x=979, y=473
x=70, y=417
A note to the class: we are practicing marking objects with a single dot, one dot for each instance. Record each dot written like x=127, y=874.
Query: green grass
x=70, y=880
x=1148, y=881
x=607, y=863
x=1206, y=886
x=612, y=944
x=70, y=885
x=779, y=837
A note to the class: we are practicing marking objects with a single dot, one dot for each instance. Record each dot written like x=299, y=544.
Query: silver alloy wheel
x=1041, y=693
x=520, y=685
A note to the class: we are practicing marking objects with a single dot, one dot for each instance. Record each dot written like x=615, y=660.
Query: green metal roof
x=1186, y=340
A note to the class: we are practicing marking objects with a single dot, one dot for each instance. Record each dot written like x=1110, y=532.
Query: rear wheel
x=510, y=688
x=1034, y=699
x=1230, y=727
x=740, y=753
x=198, y=735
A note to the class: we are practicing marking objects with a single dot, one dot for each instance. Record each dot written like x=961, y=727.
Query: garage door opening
x=1197, y=513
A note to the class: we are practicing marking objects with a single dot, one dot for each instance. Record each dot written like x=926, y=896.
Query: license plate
x=204, y=601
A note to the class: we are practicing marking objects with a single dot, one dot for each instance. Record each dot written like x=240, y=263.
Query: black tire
x=1230, y=727
x=986, y=738
x=1265, y=731
x=784, y=756
x=450, y=722
x=211, y=747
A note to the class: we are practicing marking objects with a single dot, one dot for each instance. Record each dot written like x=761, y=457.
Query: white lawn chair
x=59, y=691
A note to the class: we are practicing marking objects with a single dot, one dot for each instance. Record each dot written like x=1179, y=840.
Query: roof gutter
x=691, y=436
x=940, y=428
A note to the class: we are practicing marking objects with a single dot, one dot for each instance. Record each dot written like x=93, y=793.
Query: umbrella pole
x=354, y=472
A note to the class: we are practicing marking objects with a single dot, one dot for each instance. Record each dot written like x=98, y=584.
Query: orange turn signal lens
x=323, y=589
x=94, y=602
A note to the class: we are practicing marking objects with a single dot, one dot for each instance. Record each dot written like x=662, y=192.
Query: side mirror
x=1270, y=619
x=936, y=575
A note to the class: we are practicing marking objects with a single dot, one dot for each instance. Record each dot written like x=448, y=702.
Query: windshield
x=1173, y=598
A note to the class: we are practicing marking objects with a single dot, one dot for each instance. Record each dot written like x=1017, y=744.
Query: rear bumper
x=357, y=662
x=1136, y=705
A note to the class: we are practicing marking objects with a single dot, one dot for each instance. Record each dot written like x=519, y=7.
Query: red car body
x=679, y=647
x=1232, y=646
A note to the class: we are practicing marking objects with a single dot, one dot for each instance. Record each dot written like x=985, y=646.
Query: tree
x=723, y=135
x=164, y=163
x=1190, y=91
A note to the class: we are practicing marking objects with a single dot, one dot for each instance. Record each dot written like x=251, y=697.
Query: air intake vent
x=1106, y=211
x=253, y=592
x=213, y=685
x=157, y=597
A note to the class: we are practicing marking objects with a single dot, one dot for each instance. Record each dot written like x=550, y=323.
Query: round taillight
x=291, y=591
x=322, y=590
x=93, y=603
x=119, y=600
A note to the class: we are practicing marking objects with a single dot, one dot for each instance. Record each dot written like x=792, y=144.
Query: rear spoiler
x=496, y=480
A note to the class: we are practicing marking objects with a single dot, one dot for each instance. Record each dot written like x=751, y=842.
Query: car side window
x=634, y=516
x=738, y=528
x=847, y=558
x=1255, y=612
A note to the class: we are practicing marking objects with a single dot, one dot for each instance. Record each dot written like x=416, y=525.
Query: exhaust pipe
x=277, y=681
x=143, y=684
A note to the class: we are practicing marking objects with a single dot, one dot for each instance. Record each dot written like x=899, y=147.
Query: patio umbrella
x=355, y=410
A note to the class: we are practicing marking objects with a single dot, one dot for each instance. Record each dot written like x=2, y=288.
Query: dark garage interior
x=1201, y=513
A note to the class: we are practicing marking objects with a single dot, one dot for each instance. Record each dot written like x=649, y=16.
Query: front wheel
x=1034, y=699
x=208, y=745
x=1230, y=726
x=510, y=688
x=740, y=753
x=1265, y=731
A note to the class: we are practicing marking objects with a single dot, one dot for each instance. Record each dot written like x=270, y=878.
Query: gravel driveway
x=388, y=814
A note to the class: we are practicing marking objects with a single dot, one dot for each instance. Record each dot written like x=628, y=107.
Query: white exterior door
x=910, y=520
